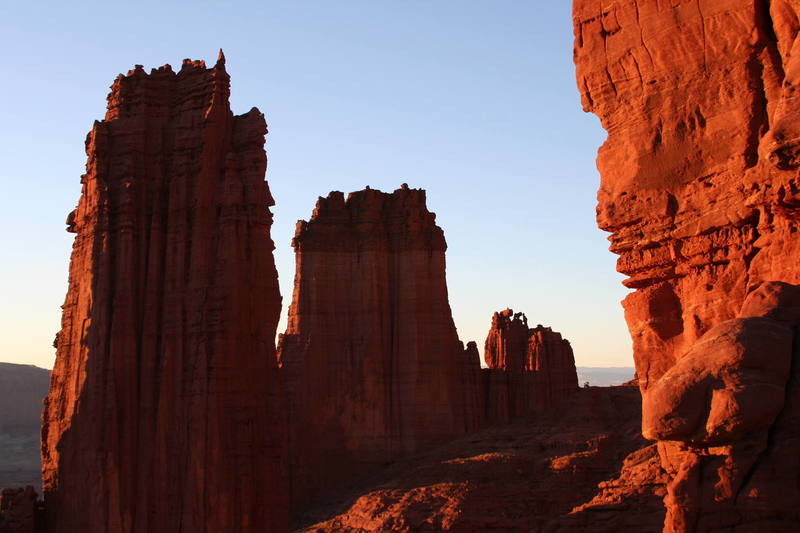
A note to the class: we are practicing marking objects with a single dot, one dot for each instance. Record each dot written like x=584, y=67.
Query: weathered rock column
x=699, y=190
x=371, y=355
x=164, y=412
x=529, y=369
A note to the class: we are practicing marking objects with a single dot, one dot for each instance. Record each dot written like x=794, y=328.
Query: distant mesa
x=24, y=387
x=22, y=391
x=371, y=357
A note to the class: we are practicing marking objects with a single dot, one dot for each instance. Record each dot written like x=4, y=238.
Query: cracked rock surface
x=700, y=194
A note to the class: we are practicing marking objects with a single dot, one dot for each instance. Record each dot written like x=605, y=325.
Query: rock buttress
x=529, y=369
x=372, y=360
x=700, y=192
x=164, y=409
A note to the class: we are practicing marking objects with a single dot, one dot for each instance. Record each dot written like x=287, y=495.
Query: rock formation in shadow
x=529, y=369
x=164, y=412
x=372, y=362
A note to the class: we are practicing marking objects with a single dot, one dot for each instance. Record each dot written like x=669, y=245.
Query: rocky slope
x=556, y=472
x=371, y=356
x=699, y=190
x=166, y=358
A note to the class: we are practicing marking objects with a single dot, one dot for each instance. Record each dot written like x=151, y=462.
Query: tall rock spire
x=164, y=412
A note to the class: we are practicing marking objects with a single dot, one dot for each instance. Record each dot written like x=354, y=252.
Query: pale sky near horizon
x=475, y=102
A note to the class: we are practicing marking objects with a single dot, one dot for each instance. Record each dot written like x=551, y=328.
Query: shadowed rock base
x=537, y=474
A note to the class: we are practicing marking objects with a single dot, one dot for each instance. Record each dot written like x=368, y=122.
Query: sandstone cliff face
x=552, y=363
x=371, y=356
x=529, y=369
x=699, y=190
x=164, y=409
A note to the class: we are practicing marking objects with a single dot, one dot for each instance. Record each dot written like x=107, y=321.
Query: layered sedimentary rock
x=164, y=409
x=699, y=190
x=529, y=369
x=371, y=356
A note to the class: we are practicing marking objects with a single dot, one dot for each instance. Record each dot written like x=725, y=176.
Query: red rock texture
x=164, y=412
x=699, y=190
x=371, y=356
x=556, y=473
x=529, y=369
x=20, y=511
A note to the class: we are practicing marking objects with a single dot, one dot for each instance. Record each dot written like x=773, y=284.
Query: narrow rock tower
x=164, y=409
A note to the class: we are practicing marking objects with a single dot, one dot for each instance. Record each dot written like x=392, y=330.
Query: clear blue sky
x=474, y=101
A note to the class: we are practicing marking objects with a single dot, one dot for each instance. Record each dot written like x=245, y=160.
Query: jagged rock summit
x=700, y=192
x=166, y=354
x=529, y=369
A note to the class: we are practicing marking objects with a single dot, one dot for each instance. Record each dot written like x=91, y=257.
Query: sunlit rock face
x=371, y=356
x=699, y=190
x=529, y=369
x=164, y=410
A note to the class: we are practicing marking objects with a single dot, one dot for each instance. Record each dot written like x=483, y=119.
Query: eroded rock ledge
x=699, y=190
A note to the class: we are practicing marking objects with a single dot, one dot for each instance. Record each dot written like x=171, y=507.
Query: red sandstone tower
x=164, y=412
x=371, y=355
x=529, y=369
